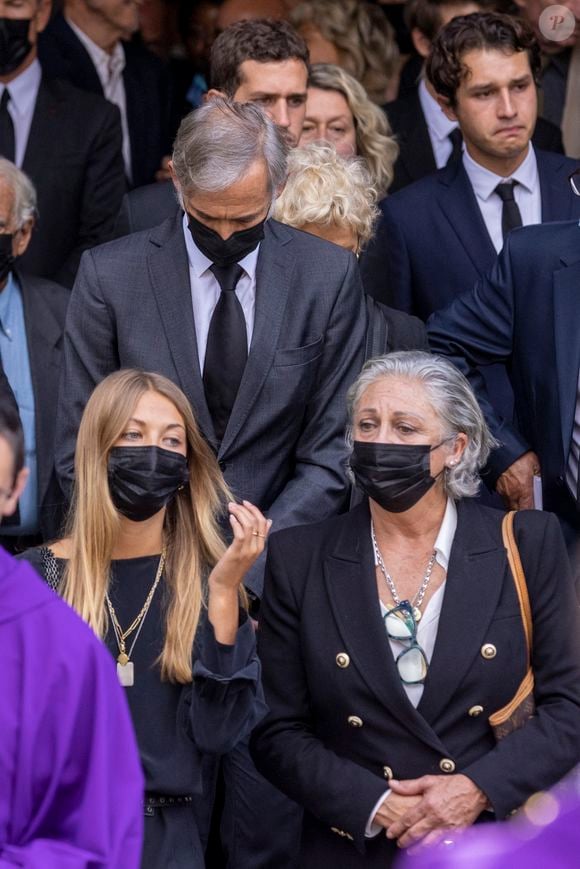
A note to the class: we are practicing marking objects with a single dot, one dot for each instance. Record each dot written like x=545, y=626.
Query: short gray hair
x=452, y=399
x=217, y=143
x=24, y=207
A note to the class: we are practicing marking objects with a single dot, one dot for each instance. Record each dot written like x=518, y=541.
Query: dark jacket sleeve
x=103, y=189
x=284, y=746
x=227, y=697
x=477, y=329
x=548, y=745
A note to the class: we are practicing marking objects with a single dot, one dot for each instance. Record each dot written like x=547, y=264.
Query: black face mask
x=142, y=480
x=396, y=476
x=231, y=250
x=6, y=256
x=14, y=43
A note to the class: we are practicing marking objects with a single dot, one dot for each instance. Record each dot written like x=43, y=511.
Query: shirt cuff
x=373, y=829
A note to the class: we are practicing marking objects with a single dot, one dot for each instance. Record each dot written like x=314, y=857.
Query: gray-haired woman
x=389, y=635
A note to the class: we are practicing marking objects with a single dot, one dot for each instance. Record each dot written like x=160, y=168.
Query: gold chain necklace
x=125, y=667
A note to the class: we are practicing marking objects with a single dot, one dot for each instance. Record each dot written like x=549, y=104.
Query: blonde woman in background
x=339, y=111
x=354, y=35
x=144, y=563
x=333, y=197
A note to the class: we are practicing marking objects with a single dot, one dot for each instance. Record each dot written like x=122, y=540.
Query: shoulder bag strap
x=515, y=563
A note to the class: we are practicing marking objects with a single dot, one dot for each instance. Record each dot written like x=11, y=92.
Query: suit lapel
x=43, y=334
x=474, y=581
x=567, y=339
x=349, y=574
x=417, y=155
x=273, y=278
x=41, y=132
x=169, y=274
x=459, y=206
x=555, y=193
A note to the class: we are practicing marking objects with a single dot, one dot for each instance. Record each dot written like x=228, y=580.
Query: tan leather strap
x=515, y=563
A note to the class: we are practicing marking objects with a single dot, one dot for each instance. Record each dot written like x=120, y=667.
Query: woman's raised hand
x=250, y=528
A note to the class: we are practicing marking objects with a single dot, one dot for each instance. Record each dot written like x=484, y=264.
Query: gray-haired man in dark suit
x=266, y=367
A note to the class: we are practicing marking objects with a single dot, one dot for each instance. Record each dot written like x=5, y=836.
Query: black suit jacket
x=74, y=158
x=146, y=207
x=320, y=600
x=45, y=305
x=432, y=243
x=416, y=158
x=62, y=55
x=526, y=315
x=283, y=448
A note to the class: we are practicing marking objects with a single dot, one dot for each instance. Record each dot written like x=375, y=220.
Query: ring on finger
x=257, y=534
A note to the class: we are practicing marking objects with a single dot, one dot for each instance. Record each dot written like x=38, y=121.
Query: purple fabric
x=552, y=840
x=71, y=786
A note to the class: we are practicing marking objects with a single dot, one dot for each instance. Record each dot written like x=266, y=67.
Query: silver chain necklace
x=418, y=599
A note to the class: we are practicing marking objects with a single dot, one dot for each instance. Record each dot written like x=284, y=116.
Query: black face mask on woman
x=14, y=43
x=396, y=476
x=225, y=252
x=142, y=480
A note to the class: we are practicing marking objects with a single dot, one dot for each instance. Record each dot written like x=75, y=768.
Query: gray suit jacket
x=283, y=448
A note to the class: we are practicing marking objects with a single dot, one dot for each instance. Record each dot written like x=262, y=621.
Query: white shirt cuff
x=373, y=829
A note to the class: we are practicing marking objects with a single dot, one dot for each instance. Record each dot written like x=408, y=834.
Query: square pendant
x=126, y=674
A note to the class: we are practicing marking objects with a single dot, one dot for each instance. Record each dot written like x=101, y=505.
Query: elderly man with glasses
x=526, y=314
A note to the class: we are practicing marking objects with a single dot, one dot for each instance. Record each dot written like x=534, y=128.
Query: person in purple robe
x=71, y=786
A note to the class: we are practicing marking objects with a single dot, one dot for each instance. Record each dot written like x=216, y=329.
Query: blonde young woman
x=143, y=562
x=339, y=111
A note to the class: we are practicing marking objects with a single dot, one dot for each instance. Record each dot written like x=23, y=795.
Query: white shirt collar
x=437, y=121
x=484, y=182
x=105, y=63
x=23, y=90
x=199, y=263
x=446, y=535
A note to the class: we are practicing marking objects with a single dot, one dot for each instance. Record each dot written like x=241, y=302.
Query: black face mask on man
x=225, y=252
x=396, y=476
x=6, y=256
x=143, y=480
x=14, y=43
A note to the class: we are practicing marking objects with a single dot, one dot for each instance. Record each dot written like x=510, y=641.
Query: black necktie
x=456, y=140
x=510, y=212
x=7, y=144
x=227, y=349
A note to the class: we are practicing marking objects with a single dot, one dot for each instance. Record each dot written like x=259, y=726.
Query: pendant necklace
x=125, y=667
x=418, y=599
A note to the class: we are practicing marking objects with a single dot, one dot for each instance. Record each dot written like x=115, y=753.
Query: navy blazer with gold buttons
x=340, y=723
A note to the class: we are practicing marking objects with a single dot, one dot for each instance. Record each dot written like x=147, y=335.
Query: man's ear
x=23, y=238
x=214, y=92
x=445, y=106
x=421, y=42
x=11, y=502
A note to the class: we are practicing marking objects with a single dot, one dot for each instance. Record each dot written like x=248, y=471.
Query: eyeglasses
x=412, y=663
x=575, y=181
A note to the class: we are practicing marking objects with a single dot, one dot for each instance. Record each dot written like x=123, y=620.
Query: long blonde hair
x=374, y=140
x=193, y=540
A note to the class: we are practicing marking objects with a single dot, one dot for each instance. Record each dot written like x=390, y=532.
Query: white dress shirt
x=526, y=193
x=205, y=291
x=110, y=68
x=438, y=126
x=426, y=629
x=23, y=92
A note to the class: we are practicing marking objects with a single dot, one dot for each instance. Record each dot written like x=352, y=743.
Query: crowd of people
x=289, y=429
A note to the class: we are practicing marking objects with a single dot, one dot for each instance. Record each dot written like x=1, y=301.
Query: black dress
x=178, y=727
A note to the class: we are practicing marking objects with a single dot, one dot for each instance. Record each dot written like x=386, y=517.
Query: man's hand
x=516, y=483
x=392, y=808
x=447, y=803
